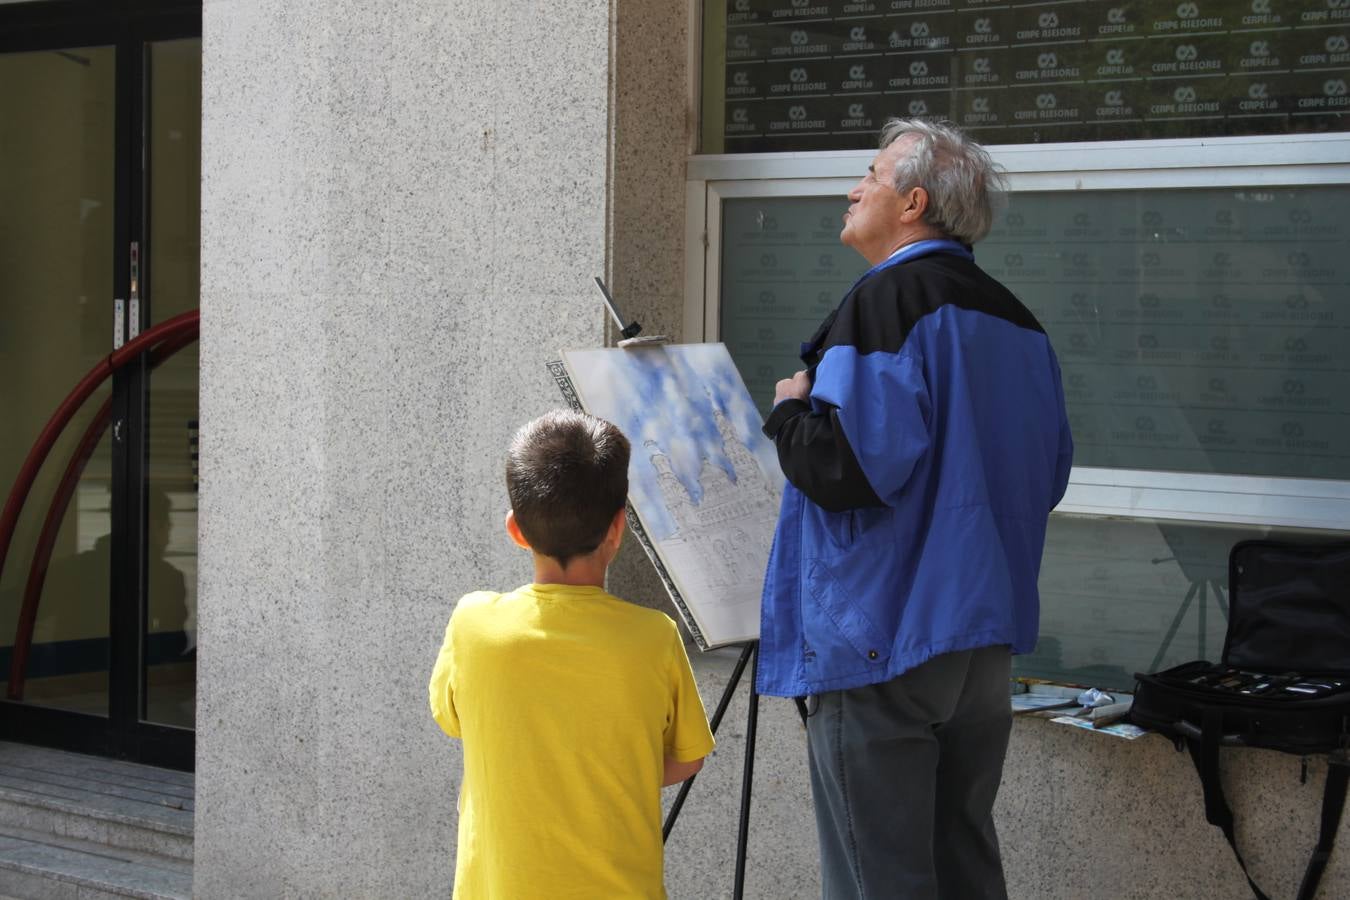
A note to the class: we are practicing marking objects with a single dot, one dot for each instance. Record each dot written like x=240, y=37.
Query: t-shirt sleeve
x=442, y=689
x=687, y=736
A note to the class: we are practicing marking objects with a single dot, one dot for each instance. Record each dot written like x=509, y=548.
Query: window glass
x=783, y=75
x=1120, y=596
x=783, y=270
x=1198, y=330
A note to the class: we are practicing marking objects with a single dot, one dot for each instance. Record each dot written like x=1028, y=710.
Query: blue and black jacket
x=920, y=478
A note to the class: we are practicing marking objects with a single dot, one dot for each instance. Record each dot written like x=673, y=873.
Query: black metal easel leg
x=751, y=719
x=747, y=652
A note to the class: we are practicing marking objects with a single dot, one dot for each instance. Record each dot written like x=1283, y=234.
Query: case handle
x=1186, y=729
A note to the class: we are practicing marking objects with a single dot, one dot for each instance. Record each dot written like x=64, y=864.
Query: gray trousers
x=904, y=776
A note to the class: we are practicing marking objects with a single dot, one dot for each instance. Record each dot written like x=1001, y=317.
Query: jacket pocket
x=832, y=620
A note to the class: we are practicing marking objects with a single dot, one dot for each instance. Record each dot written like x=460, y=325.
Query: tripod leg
x=727, y=693
x=751, y=720
x=1176, y=623
x=1219, y=599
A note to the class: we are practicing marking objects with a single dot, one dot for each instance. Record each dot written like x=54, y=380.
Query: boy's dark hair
x=567, y=475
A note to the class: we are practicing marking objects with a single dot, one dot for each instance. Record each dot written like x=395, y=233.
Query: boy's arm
x=441, y=689
x=687, y=736
x=677, y=771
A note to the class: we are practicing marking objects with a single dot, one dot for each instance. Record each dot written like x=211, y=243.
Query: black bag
x=1283, y=682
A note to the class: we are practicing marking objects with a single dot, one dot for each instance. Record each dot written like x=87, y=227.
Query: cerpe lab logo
x=1261, y=7
x=1082, y=219
x=981, y=65
x=1116, y=15
x=741, y=79
x=1115, y=98
x=980, y=105
x=856, y=111
x=1115, y=57
x=1259, y=49
x=741, y=42
x=740, y=115
x=984, y=26
x=1257, y=91
x=858, y=33
x=857, y=73
x=742, y=5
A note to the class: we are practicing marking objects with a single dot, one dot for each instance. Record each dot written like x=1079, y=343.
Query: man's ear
x=513, y=529
x=915, y=203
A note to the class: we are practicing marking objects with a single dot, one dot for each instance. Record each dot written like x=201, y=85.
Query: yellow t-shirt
x=567, y=700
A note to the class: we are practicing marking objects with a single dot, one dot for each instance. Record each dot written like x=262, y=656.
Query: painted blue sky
x=668, y=395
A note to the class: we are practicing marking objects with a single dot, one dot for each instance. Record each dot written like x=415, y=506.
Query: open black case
x=1283, y=681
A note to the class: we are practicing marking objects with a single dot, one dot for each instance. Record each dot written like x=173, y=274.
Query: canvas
x=704, y=482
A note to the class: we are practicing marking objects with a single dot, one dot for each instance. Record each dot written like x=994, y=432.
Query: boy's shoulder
x=645, y=616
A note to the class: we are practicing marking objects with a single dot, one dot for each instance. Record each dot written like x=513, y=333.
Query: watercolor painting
x=704, y=481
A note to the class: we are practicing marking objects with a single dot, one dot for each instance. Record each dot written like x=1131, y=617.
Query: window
x=1198, y=295
x=789, y=75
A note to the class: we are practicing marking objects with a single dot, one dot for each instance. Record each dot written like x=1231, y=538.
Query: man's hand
x=798, y=387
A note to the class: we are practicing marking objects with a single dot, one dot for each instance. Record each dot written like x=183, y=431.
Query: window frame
x=1301, y=160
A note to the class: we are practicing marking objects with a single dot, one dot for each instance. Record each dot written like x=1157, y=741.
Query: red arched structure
x=160, y=342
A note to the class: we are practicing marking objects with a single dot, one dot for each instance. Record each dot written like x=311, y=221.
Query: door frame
x=130, y=26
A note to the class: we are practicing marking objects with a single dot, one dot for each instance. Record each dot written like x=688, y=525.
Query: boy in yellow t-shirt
x=575, y=707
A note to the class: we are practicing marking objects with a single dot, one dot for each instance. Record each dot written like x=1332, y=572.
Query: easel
x=749, y=656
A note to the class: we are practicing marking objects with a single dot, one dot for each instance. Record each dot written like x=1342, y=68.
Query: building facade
x=401, y=209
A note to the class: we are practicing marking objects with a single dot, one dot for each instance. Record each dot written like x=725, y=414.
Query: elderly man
x=924, y=445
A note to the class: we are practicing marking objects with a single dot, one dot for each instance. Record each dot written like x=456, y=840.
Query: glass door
x=100, y=180
x=57, y=186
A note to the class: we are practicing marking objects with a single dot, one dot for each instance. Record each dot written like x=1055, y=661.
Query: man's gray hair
x=963, y=182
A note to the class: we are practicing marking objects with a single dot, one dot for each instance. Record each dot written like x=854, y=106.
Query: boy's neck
x=580, y=571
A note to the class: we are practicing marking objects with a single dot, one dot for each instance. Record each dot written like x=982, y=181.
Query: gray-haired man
x=924, y=446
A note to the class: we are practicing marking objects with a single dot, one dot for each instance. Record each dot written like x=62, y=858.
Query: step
x=37, y=866
x=103, y=801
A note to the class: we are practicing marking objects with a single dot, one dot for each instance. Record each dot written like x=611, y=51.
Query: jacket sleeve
x=857, y=442
x=1064, y=460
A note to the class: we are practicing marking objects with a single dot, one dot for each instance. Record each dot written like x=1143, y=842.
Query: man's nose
x=856, y=194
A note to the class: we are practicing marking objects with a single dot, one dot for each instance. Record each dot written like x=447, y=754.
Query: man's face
x=872, y=224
